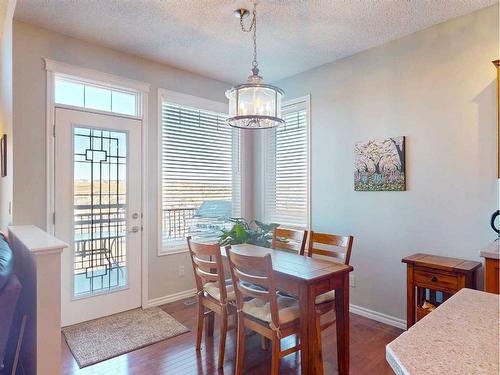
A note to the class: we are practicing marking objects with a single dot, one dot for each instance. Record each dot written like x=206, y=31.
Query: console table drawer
x=435, y=279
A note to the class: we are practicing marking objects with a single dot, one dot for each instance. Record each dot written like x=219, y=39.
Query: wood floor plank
x=177, y=355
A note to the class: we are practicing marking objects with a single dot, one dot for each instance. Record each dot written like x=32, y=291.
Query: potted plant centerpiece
x=254, y=232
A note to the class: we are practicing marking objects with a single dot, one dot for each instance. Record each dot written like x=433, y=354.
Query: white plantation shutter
x=286, y=169
x=200, y=162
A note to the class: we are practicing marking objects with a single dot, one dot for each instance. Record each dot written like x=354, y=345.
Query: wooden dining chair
x=260, y=308
x=292, y=240
x=213, y=291
x=338, y=248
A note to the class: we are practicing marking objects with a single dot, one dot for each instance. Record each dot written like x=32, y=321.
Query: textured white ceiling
x=203, y=36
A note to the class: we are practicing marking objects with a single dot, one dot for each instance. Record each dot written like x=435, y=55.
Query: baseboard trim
x=170, y=298
x=378, y=316
x=362, y=311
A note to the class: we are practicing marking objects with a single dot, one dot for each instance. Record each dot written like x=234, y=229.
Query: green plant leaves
x=255, y=232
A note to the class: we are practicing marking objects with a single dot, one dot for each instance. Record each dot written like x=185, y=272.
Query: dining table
x=307, y=277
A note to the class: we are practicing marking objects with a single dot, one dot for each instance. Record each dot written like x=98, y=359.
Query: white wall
x=437, y=88
x=6, y=12
x=31, y=44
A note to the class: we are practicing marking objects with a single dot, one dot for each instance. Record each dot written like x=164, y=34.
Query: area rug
x=97, y=340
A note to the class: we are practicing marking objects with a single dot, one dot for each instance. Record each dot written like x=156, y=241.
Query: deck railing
x=176, y=222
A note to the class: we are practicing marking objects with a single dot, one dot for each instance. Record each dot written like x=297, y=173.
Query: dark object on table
x=492, y=222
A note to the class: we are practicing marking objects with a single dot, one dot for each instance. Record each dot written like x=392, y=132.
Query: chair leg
x=318, y=362
x=210, y=324
x=222, y=339
x=201, y=318
x=275, y=361
x=263, y=343
x=240, y=346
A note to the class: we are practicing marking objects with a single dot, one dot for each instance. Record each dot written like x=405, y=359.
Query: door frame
x=53, y=68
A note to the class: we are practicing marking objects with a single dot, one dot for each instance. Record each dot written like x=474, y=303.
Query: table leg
x=306, y=331
x=410, y=297
x=342, y=314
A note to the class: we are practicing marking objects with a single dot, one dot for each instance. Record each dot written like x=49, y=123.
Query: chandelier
x=254, y=105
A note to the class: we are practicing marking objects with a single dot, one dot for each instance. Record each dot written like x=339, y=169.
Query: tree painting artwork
x=379, y=165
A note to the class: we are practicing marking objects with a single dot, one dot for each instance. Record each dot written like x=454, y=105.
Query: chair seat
x=325, y=297
x=212, y=289
x=260, y=309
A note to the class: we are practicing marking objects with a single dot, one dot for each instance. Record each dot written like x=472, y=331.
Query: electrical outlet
x=181, y=271
x=352, y=280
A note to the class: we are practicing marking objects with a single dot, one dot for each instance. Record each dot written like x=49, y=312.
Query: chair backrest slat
x=209, y=269
x=257, y=270
x=339, y=246
x=248, y=291
x=289, y=239
x=206, y=276
x=257, y=280
x=203, y=264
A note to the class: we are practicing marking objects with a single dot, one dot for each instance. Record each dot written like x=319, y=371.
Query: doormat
x=100, y=339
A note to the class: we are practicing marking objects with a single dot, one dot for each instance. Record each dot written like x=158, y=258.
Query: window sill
x=172, y=251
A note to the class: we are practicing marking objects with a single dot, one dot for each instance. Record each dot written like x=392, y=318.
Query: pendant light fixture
x=254, y=105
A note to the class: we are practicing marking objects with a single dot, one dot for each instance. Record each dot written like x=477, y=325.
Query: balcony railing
x=176, y=222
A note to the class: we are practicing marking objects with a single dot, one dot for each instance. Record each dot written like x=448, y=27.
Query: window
x=200, y=174
x=78, y=93
x=286, y=171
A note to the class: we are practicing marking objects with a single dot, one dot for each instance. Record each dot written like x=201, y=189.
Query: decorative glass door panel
x=98, y=212
x=100, y=206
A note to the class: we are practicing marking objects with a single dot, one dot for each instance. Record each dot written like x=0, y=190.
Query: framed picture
x=379, y=165
x=3, y=155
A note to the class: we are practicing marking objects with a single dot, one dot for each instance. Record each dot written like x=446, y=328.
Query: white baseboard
x=378, y=316
x=170, y=298
x=367, y=313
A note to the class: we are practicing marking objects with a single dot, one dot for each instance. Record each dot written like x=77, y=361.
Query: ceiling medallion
x=254, y=105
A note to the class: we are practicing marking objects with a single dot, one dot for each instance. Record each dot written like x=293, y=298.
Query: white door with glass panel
x=98, y=212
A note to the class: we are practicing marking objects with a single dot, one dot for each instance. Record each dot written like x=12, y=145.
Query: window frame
x=100, y=85
x=305, y=100
x=187, y=101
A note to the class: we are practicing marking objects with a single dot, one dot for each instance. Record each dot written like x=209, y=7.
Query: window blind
x=286, y=169
x=200, y=167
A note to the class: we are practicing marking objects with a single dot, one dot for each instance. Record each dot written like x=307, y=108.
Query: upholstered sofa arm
x=8, y=301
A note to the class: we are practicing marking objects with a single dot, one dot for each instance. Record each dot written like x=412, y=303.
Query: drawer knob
x=434, y=279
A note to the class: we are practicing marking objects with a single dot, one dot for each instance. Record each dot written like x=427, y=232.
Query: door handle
x=134, y=229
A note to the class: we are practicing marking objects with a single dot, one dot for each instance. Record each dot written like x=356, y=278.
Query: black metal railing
x=176, y=222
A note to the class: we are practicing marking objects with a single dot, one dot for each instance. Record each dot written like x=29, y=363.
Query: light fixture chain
x=252, y=27
x=254, y=62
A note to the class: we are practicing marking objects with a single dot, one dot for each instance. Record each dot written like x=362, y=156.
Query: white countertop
x=460, y=337
x=492, y=251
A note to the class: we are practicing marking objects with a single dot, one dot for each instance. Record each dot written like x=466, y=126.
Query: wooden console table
x=491, y=255
x=434, y=279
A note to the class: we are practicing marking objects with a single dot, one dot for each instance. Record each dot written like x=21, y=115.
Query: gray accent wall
x=437, y=87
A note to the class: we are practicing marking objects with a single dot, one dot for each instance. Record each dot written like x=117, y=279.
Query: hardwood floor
x=178, y=355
